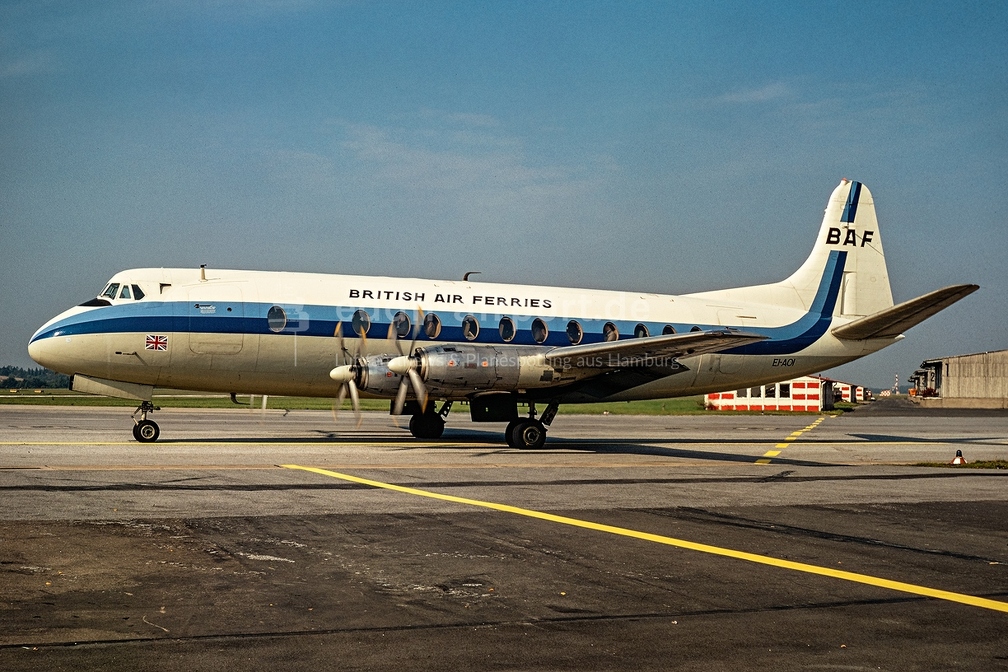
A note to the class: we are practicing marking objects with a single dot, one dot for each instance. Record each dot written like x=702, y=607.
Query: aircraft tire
x=426, y=426
x=509, y=433
x=146, y=431
x=529, y=435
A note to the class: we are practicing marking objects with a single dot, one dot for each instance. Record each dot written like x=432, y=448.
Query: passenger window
x=125, y=293
x=276, y=319
x=401, y=323
x=669, y=329
x=641, y=331
x=361, y=322
x=137, y=293
x=470, y=328
x=539, y=330
x=432, y=325
x=111, y=290
x=506, y=329
x=574, y=332
x=610, y=332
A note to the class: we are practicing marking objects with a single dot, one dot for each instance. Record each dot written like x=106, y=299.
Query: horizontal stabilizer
x=639, y=351
x=892, y=322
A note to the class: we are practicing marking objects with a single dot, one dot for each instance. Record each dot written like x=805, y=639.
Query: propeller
x=406, y=366
x=346, y=374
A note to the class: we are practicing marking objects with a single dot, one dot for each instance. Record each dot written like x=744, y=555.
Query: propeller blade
x=419, y=389
x=416, y=329
x=340, y=398
x=355, y=401
x=400, y=397
x=354, y=396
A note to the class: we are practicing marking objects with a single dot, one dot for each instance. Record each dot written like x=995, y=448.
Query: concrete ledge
x=960, y=402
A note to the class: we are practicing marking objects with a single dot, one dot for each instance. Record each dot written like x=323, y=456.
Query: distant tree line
x=14, y=377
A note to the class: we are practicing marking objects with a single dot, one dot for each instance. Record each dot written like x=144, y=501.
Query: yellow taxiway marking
x=878, y=582
x=793, y=436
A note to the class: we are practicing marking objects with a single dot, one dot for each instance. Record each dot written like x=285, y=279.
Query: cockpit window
x=125, y=293
x=137, y=293
x=111, y=290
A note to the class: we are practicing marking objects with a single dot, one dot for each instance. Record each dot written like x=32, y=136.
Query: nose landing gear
x=144, y=430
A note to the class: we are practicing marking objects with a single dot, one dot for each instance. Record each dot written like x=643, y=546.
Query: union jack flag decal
x=156, y=342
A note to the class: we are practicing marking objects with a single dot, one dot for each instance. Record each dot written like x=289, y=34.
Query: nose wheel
x=145, y=430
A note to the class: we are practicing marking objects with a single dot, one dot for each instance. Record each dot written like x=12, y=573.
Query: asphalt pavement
x=294, y=541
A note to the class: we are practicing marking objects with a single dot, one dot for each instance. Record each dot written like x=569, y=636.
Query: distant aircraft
x=495, y=346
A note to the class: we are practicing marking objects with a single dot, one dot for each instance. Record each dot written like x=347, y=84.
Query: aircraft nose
x=46, y=352
x=52, y=347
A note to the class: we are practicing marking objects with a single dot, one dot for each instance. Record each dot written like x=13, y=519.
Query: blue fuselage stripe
x=799, y=335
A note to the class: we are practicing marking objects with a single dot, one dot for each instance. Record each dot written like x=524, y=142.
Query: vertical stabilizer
x=849, y=226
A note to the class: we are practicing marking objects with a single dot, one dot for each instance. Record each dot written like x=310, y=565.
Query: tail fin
x=849, y=227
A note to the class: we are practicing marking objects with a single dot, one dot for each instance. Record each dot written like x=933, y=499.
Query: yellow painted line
x=793, y=436
x=900, y=586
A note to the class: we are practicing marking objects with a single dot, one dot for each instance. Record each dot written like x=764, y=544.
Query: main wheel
x=529, y=434
x=509, y=433
x=426, y=426
x=146, y=431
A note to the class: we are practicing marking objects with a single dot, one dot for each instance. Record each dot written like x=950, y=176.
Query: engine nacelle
x=373, y=376
x=468, y=368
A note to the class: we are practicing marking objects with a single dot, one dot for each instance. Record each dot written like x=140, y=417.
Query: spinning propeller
x=406, y=367
x=346, y=374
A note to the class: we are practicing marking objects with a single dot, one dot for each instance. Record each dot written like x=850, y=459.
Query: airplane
x=417, y=342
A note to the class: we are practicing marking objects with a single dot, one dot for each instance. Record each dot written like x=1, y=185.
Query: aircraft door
x=216, y=325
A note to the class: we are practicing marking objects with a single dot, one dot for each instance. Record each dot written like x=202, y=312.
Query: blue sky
x=667, y=147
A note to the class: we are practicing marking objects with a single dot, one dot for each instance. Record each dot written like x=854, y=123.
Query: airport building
x=809, y=394
x=963, y=381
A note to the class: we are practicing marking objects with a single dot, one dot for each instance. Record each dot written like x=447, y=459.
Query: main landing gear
x=530, y=433
x=144, y=430
x=429, y=425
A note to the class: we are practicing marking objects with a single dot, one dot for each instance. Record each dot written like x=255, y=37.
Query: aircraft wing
x=650, y=351
x=892, y=322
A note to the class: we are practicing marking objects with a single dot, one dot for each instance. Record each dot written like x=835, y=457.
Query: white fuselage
x=274, y=332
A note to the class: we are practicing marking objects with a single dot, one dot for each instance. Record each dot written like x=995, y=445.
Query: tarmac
x=294, y=540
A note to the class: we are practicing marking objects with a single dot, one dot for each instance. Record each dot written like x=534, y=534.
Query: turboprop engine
x=457, y=370
x=371, y=374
